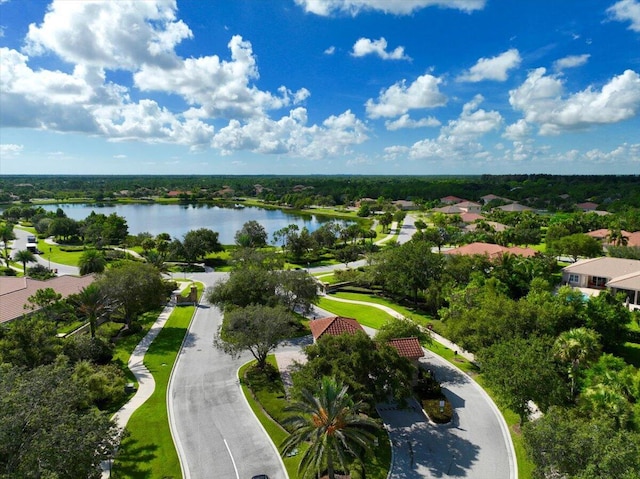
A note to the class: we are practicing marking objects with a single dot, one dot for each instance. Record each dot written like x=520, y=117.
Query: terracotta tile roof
x=451, y=199
x=14, y=292
x=334, y=326
x=491, y=250
x=407, y=347
x=471, y=217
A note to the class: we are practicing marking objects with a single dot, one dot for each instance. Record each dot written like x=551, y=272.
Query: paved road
x=216, y=431
x=20, y=243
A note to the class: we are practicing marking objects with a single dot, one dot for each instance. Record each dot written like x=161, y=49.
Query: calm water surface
x=178, y=219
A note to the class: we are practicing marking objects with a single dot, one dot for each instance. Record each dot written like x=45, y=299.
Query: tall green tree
x=333, y=426
x=565, y=443
x=255, y=328
x=6, y=235
x=522, y=370
x=134, y=287
x=24, y=256
x=607, y=314
x=47, y=429
x=251, y=235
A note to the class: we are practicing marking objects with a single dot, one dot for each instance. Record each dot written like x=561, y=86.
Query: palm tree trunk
x=330, y=471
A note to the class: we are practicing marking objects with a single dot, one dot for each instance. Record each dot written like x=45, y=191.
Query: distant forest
x=553, y=193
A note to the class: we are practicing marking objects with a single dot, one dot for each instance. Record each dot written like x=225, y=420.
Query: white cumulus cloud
x=365, y=46
x=494, y=68
x=399, y=98
x=396, y=7
x=406, y=122
x=123, y=34
x=541, y=99
x=290, y=135
x=457, y=140
x=626, y=11
x=572, y=61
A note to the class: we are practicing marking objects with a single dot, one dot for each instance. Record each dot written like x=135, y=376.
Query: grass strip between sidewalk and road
x=148, y=450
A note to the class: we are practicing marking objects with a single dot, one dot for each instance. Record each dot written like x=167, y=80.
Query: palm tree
x=577, y=347
x=6, y=235
x=25, y=256
x=617, y=238
x=92, y=261
x=92, y=304
x=334, y=427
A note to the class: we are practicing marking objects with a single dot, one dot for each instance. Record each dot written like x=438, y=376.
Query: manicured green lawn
x=366, y=315
x=148, y=450
x=417, y=316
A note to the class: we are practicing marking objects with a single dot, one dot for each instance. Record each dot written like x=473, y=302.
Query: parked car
x=260, y=476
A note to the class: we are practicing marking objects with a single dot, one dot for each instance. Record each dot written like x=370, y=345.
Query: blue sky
x=320, y=87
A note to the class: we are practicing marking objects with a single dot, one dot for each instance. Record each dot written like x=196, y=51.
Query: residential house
x=15, y=292
x=451, y=200
x=491, y=250
x=470, y=217
x=596, y=274
x=587, y=206
x=405, y=205
x=487, y=198
x=469, y=207
x=514, y=207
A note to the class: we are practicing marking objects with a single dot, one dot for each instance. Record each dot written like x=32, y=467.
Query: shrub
x=432, y=408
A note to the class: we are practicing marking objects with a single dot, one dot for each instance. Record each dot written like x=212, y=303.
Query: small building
x=334, y=326
x=487, y=198
x=409, y=348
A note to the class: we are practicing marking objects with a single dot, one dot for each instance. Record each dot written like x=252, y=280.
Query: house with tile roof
x=15, y=292
x=409, y=348
x=334, y=326
x=514, y=207
x=451, y=200
x=587, y=206
x=469, y=206
x=596, y=274
x=490, y=250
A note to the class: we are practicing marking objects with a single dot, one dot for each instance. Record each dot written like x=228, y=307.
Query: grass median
x=148, y=450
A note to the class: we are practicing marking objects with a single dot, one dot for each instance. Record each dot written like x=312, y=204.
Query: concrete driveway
x=20, y=243
x=216, y=432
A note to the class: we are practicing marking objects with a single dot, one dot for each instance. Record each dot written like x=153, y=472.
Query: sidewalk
x=146, y=383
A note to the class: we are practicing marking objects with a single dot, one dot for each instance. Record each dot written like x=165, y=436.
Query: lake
x=178, y=219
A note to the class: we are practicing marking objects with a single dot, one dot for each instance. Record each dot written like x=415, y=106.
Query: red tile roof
x=15, y=292
x=491, y=250
x=334, y=326
x=407, y=347
x=470, y=217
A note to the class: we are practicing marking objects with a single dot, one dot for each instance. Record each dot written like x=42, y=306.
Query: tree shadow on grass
x=168, y=340
x=132, y=458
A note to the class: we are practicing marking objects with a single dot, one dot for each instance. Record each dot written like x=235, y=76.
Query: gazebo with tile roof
x=334, y=326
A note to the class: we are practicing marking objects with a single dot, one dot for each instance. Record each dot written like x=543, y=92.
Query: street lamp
x=49, y=258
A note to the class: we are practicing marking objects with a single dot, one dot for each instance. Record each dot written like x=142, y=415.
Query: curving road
x=216, y=433
x=20, y=243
